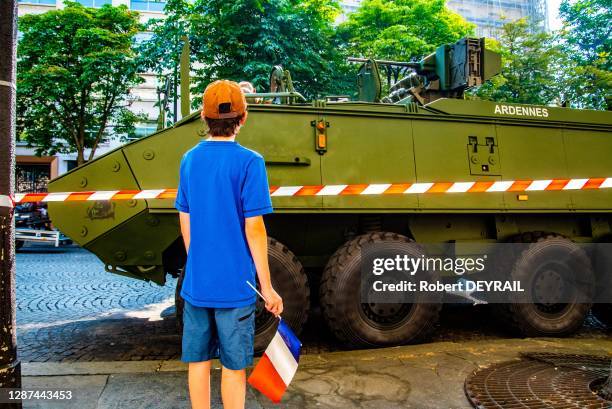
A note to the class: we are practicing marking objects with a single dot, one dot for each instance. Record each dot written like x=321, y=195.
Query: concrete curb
x=596, y=346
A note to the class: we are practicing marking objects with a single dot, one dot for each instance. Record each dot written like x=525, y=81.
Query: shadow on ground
x=134, y=339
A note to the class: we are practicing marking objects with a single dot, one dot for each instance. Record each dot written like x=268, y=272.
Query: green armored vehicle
x=420, y=165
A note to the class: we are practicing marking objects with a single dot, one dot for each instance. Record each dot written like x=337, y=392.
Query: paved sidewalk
x=421, y=376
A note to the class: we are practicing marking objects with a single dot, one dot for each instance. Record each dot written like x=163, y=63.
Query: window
x=46, y=2
x=142, y=37
x=32, y=177
x=145, y=129
x=148, y=5
x=94, y=3
x=71, y=164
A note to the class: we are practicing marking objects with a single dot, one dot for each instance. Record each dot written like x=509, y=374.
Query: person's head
x=249, y=88
x=224, y=108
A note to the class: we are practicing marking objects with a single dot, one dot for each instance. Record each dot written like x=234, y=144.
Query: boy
x=223, y=193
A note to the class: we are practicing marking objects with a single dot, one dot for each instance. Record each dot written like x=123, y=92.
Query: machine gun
x=446, y=73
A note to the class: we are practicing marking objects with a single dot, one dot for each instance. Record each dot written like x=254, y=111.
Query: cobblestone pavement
x=56, y=285
x=70, y=310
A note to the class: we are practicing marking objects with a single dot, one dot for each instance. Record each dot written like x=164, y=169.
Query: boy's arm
x=185, y=229
x=256, y=235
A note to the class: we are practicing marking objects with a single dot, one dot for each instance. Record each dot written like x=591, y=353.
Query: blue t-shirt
x=221, y=183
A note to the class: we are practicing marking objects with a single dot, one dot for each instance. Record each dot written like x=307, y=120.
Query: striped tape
x=342, y=190
x=6, y=201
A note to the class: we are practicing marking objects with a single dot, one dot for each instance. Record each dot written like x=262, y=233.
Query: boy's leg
x=199, y=384
x=236, y=331
x=233, y=388
x=198, y=348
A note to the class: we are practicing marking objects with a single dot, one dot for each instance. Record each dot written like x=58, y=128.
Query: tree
x=587, y=38
x=75, y=69
x=244, y=39
x=401, y=30
x=531, y=66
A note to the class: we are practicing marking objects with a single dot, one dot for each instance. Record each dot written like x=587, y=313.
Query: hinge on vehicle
x=483, y=158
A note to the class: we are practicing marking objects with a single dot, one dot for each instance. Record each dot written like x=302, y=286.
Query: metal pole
x=175, y=84
x=10, y=367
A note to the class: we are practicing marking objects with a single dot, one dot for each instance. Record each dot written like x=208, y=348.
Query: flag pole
x=258, y=293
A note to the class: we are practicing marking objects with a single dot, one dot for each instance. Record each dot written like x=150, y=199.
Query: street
x=114, y=340
x=70, y=310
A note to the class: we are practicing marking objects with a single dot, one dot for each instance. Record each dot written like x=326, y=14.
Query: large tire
x=535, y=261
x=360, y=325
x=290, y=281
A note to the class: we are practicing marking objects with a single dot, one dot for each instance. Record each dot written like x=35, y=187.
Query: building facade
x=487, y=15
x=490, y=15
x=33, y=171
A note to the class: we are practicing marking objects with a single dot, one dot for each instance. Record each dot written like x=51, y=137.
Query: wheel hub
x=549, y=289
x=385, y=315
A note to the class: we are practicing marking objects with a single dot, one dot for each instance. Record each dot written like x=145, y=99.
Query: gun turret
x=446, y=73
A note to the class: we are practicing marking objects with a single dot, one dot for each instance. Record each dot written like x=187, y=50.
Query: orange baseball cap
x=223, y=99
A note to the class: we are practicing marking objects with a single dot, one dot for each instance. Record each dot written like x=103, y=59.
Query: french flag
x=277, y=366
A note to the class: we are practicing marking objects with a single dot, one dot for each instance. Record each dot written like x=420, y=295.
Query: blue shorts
x=224, y=333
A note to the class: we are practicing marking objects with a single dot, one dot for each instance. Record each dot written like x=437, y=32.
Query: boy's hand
x=274, y=302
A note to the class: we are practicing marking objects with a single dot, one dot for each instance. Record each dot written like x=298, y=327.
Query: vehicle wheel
x=536, y=267
x=19, y=244
x=290, y=281
x=371, y=325
x=179, y=302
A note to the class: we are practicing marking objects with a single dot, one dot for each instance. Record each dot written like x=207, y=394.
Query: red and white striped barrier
x=6, y=201
x=342, y=190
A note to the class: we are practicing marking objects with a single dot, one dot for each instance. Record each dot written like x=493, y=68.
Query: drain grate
x=598, y=364
x=538, y=381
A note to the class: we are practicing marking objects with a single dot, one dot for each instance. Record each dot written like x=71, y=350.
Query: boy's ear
x=244, y=118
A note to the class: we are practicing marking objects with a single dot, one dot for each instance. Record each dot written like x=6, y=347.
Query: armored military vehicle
x=344, y=172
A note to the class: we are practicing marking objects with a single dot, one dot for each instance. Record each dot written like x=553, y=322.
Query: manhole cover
x=539, y=380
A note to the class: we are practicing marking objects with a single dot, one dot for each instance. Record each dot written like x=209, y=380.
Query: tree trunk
x=10, y=367
x=80, y=156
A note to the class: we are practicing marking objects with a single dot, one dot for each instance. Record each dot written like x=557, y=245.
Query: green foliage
x=75, y=68
x=530, y=61
x=401, y=30
x=587, y=39
x=572, y=65
x=243, y=39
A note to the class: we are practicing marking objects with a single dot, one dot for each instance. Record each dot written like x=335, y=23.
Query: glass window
x=148, y=5
x=94, y=3
x=47, y=2
x=32, y=177
x=71, y=164
x=142, y=37
x=145, y=129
